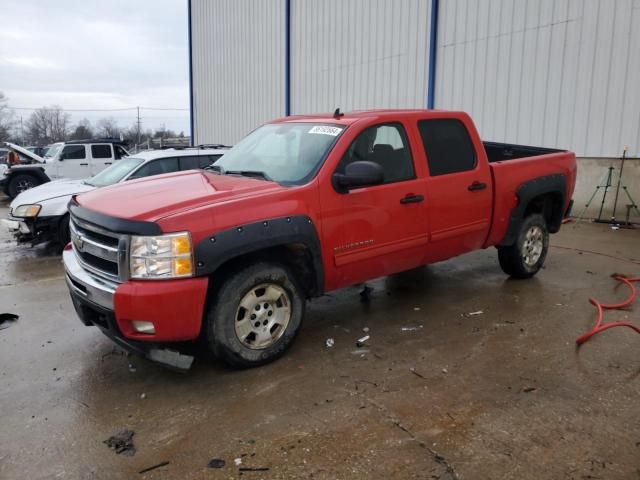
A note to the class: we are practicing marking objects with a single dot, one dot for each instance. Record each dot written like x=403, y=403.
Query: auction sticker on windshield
x=326, y=130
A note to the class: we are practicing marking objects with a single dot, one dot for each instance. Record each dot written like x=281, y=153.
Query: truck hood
x=163, y=195
x=25, y=152
x=51, y=190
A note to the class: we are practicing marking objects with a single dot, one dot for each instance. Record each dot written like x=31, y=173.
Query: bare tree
x=82, y=130
x=108, y=127
x=6, y=119
x=48, y=125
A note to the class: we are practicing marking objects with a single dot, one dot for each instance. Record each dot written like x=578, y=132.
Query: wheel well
x=295, y=256
x=549, y=205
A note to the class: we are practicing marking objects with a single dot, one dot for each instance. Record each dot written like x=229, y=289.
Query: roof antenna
x=337, y=114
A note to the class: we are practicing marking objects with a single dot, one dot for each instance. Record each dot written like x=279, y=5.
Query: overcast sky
x=106, y=54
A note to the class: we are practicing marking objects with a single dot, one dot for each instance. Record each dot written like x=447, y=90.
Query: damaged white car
x=40, y=214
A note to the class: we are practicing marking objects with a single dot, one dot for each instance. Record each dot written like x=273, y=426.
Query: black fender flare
x=215, y=250
x=35, y=171
x=556, y=184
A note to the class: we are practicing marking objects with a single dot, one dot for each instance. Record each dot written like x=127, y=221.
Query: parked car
x=74, y=159
x=40, y=214
x=301, y=206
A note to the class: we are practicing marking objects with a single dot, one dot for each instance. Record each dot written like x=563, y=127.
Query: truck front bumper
x=174, y=307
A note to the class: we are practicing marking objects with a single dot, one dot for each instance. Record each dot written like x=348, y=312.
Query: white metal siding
x=358, y=54
x=238, y=67
x=559, y=73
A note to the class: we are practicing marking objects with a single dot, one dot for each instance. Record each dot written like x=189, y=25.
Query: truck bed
x=499, y=152
x=509, y=175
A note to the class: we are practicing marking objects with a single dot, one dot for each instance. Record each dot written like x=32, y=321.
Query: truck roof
x=348, y=118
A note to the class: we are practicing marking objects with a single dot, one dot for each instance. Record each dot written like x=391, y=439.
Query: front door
x=459, y=188
x=382, y=229
x=73, y=162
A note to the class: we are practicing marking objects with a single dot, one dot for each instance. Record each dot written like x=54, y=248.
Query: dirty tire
x=64, y=236
x=20, y=183
x=513, y=259
x=223, y=311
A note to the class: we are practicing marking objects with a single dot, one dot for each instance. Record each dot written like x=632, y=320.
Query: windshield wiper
x=215, y=168
x=249, y=173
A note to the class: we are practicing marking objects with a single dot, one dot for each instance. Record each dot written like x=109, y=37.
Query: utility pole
x=21, y=131
x=138, y=122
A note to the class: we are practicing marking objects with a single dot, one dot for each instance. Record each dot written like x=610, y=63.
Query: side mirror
x=358, y=174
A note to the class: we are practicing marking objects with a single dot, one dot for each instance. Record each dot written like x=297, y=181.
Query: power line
x=100, y=109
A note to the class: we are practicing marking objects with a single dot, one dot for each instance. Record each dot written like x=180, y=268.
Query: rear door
x=382, y=229
x=74, y=162
x=459, y=189
x=101, y=157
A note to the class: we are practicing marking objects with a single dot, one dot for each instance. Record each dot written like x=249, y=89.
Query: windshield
x=53, y=150
x=115, y=172
x=289, y=153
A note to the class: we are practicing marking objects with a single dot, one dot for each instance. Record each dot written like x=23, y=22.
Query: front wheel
x=20, y=183
x=526, y=256
x=255, y=315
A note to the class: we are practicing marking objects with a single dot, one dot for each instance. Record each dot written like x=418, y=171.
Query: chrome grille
x=99, y=251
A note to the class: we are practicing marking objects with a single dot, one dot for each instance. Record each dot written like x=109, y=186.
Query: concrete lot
x=502, y=394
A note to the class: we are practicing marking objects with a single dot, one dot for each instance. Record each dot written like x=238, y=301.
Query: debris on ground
x=365, y=329
x=529, y=389
x=216, y=463
x=478, y=312
x=444, y=370
x=153, y=467
x=132, y=368
x=330, y=342
x=122, y=442
x=413, y=370
x=365, y=294
x=237, y=461
x=143, y=396
x=360, y=342
x=410, y=329
x=253, y=469
x=7, y=319
x=416, y=309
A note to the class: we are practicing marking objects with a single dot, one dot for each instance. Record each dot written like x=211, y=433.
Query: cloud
x=84, y=55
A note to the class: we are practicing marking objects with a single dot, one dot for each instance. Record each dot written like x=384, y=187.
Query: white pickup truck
x=40, y=214
x=74, y=159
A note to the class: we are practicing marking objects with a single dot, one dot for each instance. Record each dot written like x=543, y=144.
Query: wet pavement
x=434, y=393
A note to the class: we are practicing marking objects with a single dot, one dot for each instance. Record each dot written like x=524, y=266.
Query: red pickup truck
x=301, y=206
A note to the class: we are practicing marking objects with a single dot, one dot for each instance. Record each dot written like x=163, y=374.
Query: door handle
x=477, y=186
x=107, y=163
x=412, y=199
x=84, y=164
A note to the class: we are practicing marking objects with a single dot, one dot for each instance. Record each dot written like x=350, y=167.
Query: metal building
x=557, y=73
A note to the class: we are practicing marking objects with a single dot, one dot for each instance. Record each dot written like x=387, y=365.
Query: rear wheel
x=526, y=256
x=255, y=315
x=21, y=182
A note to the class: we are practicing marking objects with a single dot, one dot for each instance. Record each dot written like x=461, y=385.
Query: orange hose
x=599, y=326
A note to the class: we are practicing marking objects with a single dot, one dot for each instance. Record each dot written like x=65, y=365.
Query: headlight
x=26, y=211
x=162, y=256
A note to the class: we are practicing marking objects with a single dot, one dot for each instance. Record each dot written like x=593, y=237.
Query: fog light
x=143, y=327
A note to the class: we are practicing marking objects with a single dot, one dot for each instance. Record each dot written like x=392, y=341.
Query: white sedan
x=40, y=214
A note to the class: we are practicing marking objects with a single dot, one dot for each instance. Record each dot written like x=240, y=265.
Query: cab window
x=385, y=145
x=101, y=151
x=73, y=152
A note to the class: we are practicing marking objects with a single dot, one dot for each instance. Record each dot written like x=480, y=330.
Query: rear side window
x=189, y=163
x=156, y=167
x=73, y=152
x=101, y=151
x=207, y=160
x=447, y=146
